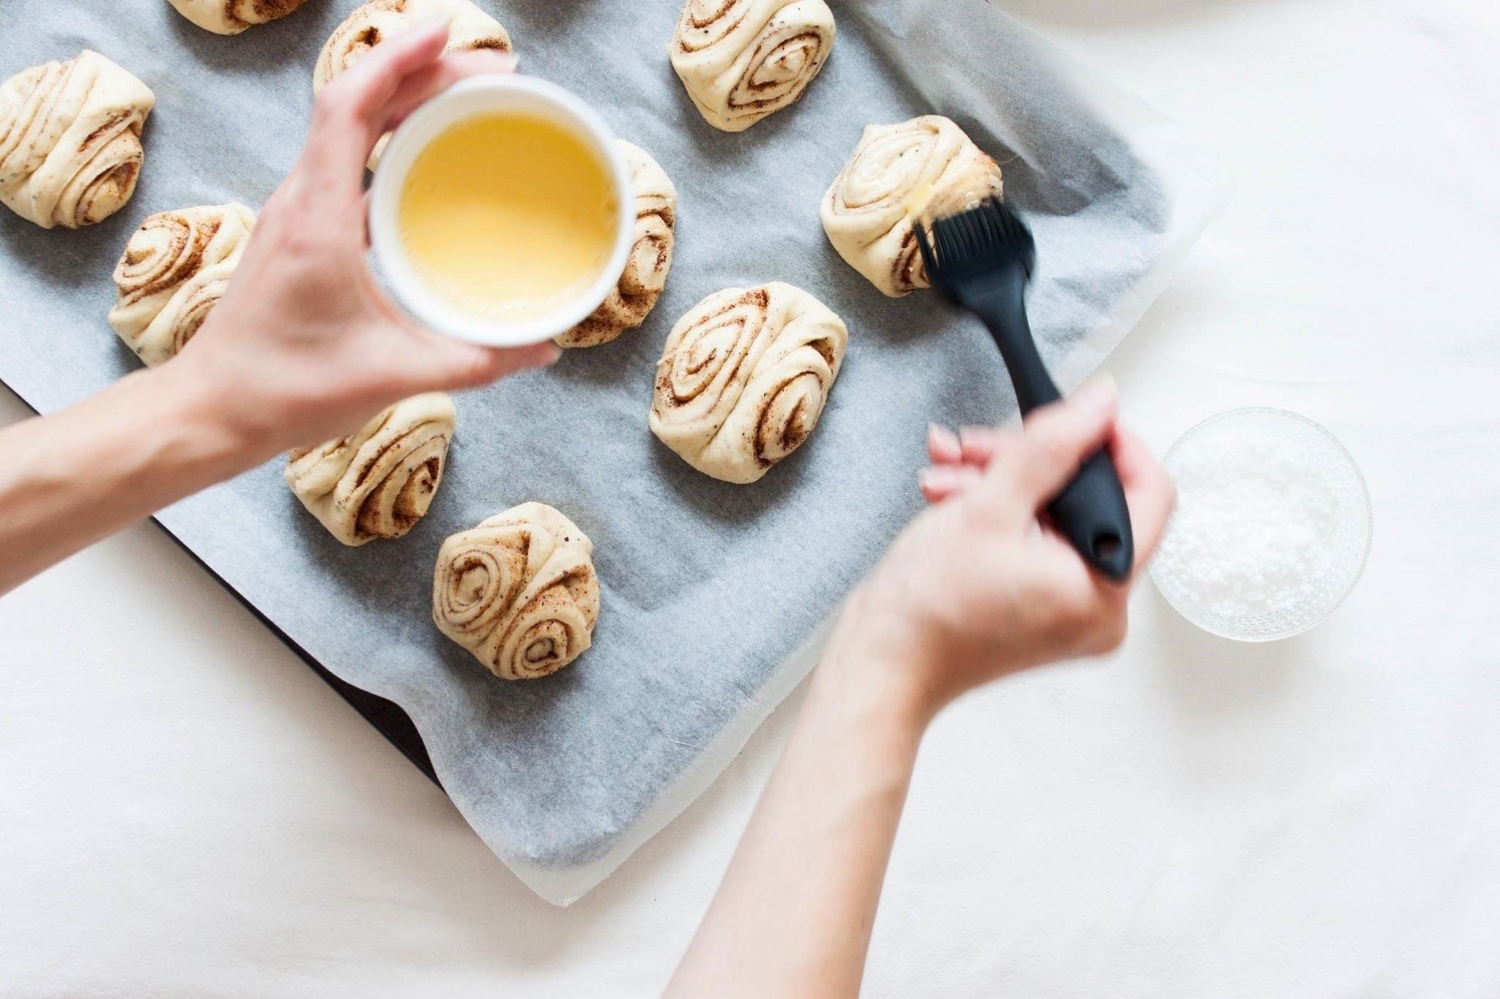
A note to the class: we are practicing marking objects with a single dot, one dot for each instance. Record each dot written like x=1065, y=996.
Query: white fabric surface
x=185, y=810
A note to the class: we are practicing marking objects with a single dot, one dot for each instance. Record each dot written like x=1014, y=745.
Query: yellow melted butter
x=508, y=216
x=915, y=202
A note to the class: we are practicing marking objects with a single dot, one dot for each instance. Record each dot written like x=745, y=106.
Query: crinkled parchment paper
x=709, y=589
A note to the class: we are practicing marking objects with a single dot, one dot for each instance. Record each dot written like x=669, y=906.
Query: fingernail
x=532, y=358
x=969, y=436
x=937, y=479
x=507, y=59
x=939, y=434
x=1098, y=394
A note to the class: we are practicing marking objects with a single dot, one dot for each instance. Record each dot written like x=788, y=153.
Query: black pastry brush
x=982, y=258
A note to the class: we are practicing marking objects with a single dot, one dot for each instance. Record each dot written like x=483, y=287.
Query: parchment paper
x=709, y=589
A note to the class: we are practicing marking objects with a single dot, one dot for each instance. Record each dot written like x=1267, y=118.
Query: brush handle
x=1091, y=512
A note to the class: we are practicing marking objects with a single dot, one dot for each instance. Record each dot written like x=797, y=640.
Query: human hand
x=304, y=347
x=978, y=586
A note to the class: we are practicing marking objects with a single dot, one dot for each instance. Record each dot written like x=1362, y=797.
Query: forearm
x=794, y=913
x=75, y=477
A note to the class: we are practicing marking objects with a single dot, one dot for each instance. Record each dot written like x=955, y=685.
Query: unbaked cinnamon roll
x=895, y=173
x=369, y=25
x=379, y=482
x=519, y=591
x=230, y=17
x=172, y=274
x=650, y=258
x=744, y=379
x=742, y=60
x=70, y=140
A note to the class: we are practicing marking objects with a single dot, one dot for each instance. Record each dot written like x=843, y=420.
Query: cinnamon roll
x=650, y=258
x=895, y=173
x=371, y=24
x=70, y=140
x=377, y=483
x=742, y=60
x=230, y=17
x=173, y=271
x=744, y=378
x=519, y=591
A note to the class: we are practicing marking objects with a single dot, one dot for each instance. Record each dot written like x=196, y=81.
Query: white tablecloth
x=185, y=809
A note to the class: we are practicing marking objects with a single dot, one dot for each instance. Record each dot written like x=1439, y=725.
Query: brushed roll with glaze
x=470, y=28
x=230, y=17
x=896, y=172
x=519, y=591
x=172, y=274
x=744, y=378
x=70, y=140
x=378, y=482
x=650, y=259
x=742, y=60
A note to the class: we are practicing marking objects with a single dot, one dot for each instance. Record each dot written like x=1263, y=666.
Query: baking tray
x=564, y=779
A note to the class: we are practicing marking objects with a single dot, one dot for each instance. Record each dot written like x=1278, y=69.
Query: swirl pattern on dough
x=173, y=272
x=70, y=140
x=519, y=591
x=742, y=60
x=744, y=378
x=469, y=28
x=650, y=259
x=230, y=17
x=895, y=173
x=377, y=483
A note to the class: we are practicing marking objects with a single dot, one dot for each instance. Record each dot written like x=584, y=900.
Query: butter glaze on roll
x=70, y=140
x=230, y=17
x=378, y=482
x=519, y=591
x=742, y=60
x=650, y=259
x=895, y=173
x=371, y=24
x=744, y=379
x=173, y=272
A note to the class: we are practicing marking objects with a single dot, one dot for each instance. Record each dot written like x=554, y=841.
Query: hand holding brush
x=982, y=258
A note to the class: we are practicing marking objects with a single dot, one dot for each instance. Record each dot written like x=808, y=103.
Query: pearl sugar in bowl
x=1272, y=528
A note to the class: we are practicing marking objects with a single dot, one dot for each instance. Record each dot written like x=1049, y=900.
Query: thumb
x=467, y=365
x=348, y=114
x=1059, y=438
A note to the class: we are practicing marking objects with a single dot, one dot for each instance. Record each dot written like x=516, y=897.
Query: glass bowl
x=1236, y=475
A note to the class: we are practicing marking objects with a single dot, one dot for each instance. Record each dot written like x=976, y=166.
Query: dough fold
x=70, y=140
x=870, y=211
x=374, y=22
x=172, y=274
x=744, y=378
x=742, y=60
x=230, y=17
x=650, y=258
x=378, y=482
x=519, y=591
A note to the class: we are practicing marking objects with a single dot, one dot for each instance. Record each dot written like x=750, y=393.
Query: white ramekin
x=505, y=94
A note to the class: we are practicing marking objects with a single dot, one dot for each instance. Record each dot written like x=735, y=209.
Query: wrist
x=233, y=395
x=198, y=415
x=894, y=677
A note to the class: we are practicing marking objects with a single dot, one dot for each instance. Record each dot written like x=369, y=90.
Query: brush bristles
x=974, y=241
